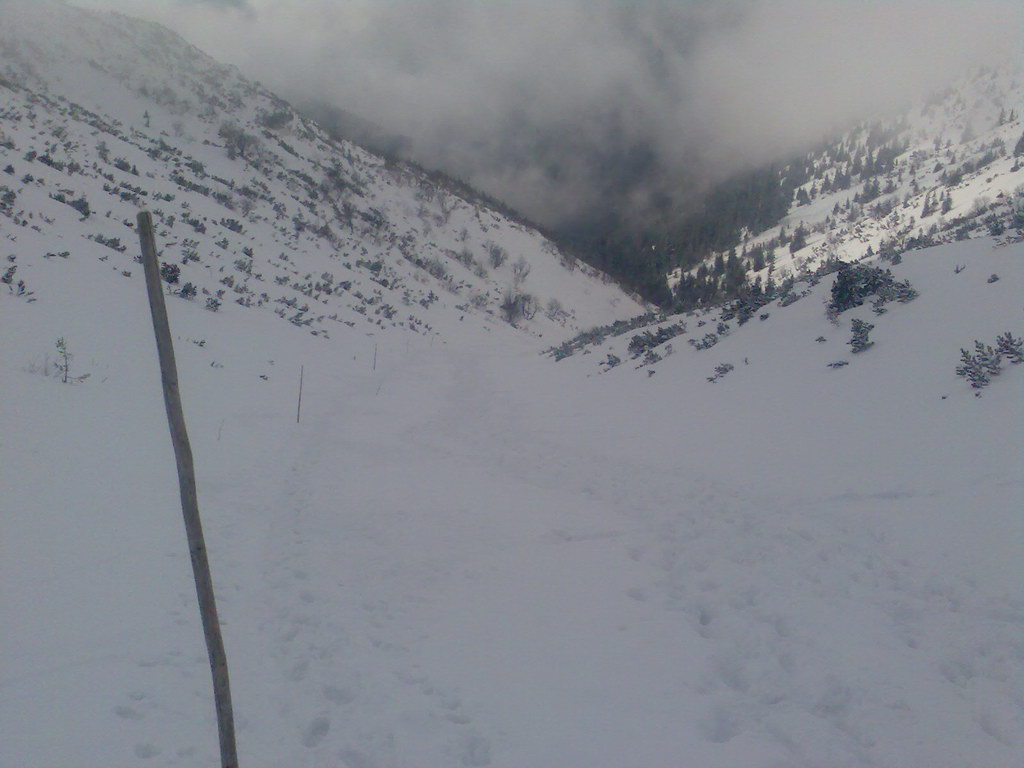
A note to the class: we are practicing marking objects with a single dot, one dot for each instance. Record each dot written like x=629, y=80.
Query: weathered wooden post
x=189, y=498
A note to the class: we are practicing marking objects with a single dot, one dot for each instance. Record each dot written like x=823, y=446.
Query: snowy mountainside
x=462, y=552
x=950, y=168
x=467, y=554
x=255, y=206
x=977, y=279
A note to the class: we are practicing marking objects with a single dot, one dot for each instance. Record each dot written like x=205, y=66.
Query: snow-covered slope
x=950, y=168
x=466, y=553
x=256, y=206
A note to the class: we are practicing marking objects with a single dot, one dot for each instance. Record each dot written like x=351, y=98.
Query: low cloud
x=571, y=108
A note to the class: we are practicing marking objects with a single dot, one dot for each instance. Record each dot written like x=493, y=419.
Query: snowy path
x=469, y=555
x=448, y=579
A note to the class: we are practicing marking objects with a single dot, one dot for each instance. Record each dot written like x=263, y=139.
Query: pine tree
x=170, y=272
x=1010, y=348
x=799, y=239
x=971, y=370
x=759, y=263
x=929, y=206
x=989, y=359
x=859, y=342
x=64, y=364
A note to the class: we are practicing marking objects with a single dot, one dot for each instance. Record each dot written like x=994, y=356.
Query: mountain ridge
x=219, y=157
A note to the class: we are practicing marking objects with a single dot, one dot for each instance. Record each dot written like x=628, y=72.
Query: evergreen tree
x=1010, y=348
x=972, y=370
x=799, y=239
x=170, y=273
x=989, y=359
x=735, y=275
x=859, y=341
x=759, y=263
x=64, y=363
x=929, y=206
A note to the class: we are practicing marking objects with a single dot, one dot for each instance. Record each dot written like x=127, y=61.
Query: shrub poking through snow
x=648, y=340
x=971, y=369
x=63, y=363
x=1010, y=348
x=597, y=335
x=987, y=361
x=720, y=371
x=171, y=273
x=859, y=341
x=709, y=340
x=855, y=283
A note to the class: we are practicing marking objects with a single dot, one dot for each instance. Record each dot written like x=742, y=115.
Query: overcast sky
x=545, y=103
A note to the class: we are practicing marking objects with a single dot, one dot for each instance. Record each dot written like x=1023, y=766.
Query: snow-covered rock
x=259, y=209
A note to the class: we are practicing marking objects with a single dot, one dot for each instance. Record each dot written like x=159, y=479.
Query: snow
x=468, y=554
x=472, y=555
x=937, y=135
x=408, y=253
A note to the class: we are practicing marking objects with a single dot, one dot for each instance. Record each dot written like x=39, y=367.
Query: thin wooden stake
x=189, y=498
x=298, y=412
x=375, y=357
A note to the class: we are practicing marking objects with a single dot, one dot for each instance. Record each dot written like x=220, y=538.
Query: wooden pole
x=298, y=411
x=189, y=498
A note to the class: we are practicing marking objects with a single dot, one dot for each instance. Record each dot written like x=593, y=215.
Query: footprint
x=835, y=699
x=705, y=615
x=353, y=758
x=450, y=701
x=720, y=726
x=338, y=695
x=298, y=672
x=475, y=750
x=316, y=732
x=128, y=713
x=146, y=751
